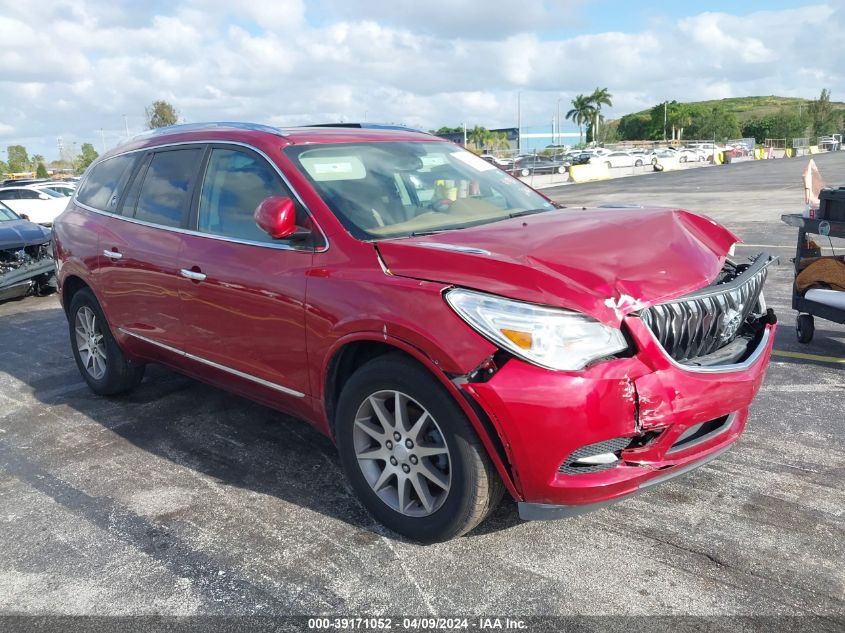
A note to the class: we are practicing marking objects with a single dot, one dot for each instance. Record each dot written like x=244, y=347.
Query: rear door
x=140, y=271
x=245, y=309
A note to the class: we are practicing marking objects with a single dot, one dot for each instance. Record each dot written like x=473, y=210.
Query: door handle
x=112, y=254
x=192, y=274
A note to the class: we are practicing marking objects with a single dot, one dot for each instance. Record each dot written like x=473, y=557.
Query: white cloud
x=72, y=69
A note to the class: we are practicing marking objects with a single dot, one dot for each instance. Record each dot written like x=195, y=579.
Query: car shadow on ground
x=218, y=434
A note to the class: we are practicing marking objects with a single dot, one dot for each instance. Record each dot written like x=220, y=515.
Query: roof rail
x=369, y=126
x=227, y=125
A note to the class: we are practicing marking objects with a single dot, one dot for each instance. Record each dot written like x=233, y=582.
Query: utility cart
x=807, y=308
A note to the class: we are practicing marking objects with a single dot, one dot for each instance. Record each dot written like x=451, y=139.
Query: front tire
x=805, y=328
x=410, y=454
x=99, y=359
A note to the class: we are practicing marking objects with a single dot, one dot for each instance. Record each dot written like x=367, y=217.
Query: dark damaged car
x=26, y=257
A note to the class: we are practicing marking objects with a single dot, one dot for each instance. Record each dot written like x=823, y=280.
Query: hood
x=604, y=263
x=21, y=233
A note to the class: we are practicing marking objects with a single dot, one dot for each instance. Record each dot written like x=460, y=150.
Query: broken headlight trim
x=549, y=337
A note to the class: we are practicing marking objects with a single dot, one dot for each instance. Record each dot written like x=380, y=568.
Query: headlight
x=549, y=337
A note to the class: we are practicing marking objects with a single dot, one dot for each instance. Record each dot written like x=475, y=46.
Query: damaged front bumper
x=23, y=270
x=578, y=441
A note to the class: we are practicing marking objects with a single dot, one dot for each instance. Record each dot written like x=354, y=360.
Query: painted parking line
x=787, y=246
x=803, y=356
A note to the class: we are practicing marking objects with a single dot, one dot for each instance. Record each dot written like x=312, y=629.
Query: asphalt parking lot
x=181, y=499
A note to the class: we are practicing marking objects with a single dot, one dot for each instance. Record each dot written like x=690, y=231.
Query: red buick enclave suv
x=452, y=330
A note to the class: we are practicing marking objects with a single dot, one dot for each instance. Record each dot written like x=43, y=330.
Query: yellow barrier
x=790, y=152
x=718, y=158
x=589, y=172
x=814, y=149
x=759, y=153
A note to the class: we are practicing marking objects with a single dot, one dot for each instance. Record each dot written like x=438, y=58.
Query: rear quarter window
x=101, y=189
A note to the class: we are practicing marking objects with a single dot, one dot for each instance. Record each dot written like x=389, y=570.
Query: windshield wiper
x=519, y=214
x=433, y=232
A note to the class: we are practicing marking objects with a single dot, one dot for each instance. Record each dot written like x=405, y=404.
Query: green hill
x=758, y=117
x=747, y=108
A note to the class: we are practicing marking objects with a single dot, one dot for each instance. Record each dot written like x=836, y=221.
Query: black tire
x=805, y=328
x=638, y=163
x=682, y=159
x=121, y=374
x=475, y=487
x=607, y=164
x=525, y=173
x=561, y=170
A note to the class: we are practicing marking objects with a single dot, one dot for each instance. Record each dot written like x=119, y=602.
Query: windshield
x=398, y=189
x=7, y=214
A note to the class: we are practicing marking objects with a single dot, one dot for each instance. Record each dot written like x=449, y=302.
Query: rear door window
x=164, y=196
x=101, y=188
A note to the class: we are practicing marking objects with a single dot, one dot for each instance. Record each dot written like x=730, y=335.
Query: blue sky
x=598, y=16
x=75, y=69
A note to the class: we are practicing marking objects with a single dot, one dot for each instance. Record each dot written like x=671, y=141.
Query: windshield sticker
x=328, y=168
x=433, y=160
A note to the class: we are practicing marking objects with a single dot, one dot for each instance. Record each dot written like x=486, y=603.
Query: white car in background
x=64, y=188
x=41, y=207
x=690, y=155
x=619, y=159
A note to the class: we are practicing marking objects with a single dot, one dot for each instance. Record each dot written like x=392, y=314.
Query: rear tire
x=99, y=358
x=639, y=163
x=377, y=446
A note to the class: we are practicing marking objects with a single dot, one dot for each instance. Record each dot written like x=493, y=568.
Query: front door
x=244, y=311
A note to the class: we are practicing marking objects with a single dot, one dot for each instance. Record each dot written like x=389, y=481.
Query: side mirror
x=276, y=216
x=24, y=216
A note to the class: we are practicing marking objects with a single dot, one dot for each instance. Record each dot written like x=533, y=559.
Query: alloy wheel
x=402, y=453
x=90, y=343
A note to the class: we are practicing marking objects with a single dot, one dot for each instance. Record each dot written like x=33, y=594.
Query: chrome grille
x=703, y=322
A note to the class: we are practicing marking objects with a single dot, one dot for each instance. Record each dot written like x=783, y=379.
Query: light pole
x=465, y=134
x=519, y=122
x=558, y=121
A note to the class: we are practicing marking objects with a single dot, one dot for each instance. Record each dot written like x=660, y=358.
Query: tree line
x=19, y=161
x=678, y=121
x=586, y=109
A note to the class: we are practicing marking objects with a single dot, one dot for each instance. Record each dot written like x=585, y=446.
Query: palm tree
x=581, y=112
x=599, y=98
x=480, y=136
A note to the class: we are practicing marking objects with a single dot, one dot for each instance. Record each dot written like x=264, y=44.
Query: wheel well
x=70, y=287
x=349, y=358
x=346, y=362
